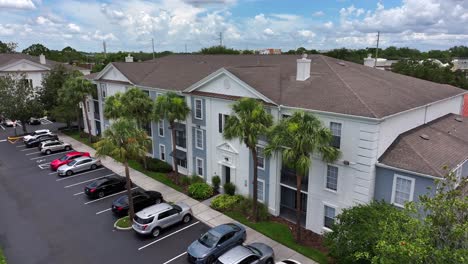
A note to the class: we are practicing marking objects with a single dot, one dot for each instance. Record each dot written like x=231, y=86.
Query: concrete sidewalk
x=201, y=211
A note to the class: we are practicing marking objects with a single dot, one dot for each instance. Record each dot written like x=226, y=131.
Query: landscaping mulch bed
x=309, y=238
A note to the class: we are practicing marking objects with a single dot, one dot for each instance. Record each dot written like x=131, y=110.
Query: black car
x=34, y=121
x=37, y=141
x=104, y=186
x=141, y=200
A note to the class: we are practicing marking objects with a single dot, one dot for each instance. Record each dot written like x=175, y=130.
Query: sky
x=177, y=25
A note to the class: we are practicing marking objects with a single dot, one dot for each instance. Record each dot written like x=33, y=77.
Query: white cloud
x=318, y=13
x=268, y=31
x=100, y=36
x=41, y=20
x=17, y=4
x=306, y=33
x=6, y=30
x=328, y=25
x=74, y=28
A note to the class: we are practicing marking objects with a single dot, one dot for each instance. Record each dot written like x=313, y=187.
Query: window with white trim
x=329, y=216
x=198, y=109
x=199, y=138
x=162, y=152
x=260, y=158
x=260, y=190
x=161, y=128
x=199, y=167
x=332, y=178
x=403, y=189
x=336, y=132
x=103, y=90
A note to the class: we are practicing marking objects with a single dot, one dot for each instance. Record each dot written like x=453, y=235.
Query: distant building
x=269, y=51
x=381, y=64
x=460, y=64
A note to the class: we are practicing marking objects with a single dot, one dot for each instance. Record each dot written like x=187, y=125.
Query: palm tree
x=124, y=141
x=248, y=123
x=297, y=138
x=171, y=107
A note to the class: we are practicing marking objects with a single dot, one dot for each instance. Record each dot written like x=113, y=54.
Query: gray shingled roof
x=334, y=86
x=447, y=146
x=7, y=58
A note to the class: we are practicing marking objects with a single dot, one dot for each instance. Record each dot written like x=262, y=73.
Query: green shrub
x=185, y=180
x=200, y=191
x=216, y=181
x=226, y=202
x=245, y=207
x=196, y=179
x=158, y=165
x=229, y=188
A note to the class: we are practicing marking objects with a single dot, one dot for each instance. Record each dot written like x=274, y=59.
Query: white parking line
x=52, y=173
x=78, y=175
x=3, y=140
x=22, y=146
x=93, y=201
x=44, y=166
x=63, y=153
x=103, y=211
x=28, y=149
x=78, y=193
x=2, y=127
x=78, y=183
x=33, y=153
x=19, y=125
x=174, y=258
x=173, y=233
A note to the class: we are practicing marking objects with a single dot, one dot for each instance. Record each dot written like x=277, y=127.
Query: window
x=181, y=141
x=87, y=106
x=182, y=163
x=147, y=128
x=221, y=122
x=403, y=188
x=103, y=90
x=162, y=152
x=146, y=92
x=199, y=167
x=329, y=216
x=260, y=158
x=332, y=178
x=199, y=138
x=260, y=190
x=161, y=128
x=336, y=132
x=198, y=109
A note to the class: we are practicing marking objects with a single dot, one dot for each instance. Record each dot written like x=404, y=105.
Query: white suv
x=36, y=133
x=151, y=220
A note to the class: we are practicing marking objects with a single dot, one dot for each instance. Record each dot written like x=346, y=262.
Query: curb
x=121, y=228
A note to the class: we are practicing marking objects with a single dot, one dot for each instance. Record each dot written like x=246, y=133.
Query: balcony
x=288, y=177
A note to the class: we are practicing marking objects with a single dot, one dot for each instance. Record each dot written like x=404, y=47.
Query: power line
x=377, y=49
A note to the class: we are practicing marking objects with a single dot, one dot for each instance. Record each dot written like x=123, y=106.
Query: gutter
x=381, y=165
x=370, y=119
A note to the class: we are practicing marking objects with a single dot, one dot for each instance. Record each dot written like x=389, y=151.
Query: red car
x=55, y=164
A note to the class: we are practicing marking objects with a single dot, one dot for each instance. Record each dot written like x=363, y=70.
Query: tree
x=36, y=50
x=8, y=47
x=124, y=141
x=51, y=84
x=18, y=99
x=219, y=50
x=297, y=138
x=171, y=107
x=248, y=122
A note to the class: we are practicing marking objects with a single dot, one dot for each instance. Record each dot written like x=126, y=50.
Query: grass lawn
x=280, y=233
x=76, y=135
x=124, y=222
x=2, y=257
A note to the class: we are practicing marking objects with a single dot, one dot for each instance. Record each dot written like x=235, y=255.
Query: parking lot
x=48, y=219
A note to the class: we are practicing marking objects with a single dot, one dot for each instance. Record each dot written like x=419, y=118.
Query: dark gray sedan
x=255, y=253
x=215, y=242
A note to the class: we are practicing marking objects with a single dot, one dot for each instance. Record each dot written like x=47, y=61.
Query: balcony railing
x=288, y=177
x=96, y=116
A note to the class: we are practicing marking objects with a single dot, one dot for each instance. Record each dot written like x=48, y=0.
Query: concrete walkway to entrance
x=201, y=211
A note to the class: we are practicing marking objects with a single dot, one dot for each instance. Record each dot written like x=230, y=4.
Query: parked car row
x=9, y=123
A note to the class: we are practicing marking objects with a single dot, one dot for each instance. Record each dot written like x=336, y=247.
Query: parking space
x=6, y=132
x=51, y=220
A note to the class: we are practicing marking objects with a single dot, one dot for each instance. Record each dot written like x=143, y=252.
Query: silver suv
x=47, y=147
x=151, y=220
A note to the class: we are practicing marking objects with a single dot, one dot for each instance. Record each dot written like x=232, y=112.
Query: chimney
x=42, y=59
x=129, y=58
x=303, y=68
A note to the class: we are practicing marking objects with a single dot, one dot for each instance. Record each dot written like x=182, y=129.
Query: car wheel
x=101, y=194
x=210, y=260
x=48, y=152
x=156, y=231
x=67, y=148
x=269, y=261
x=158, y=200
x=93, y=167
x=69, y=173
x=187, y=218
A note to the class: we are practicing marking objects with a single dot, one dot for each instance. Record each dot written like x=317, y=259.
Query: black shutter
x=220, y=123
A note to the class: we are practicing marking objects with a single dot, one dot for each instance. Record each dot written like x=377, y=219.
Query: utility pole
x=152, y=43
x=104, y=46
x=220, y=39
x=185, y=48
x=377, y=49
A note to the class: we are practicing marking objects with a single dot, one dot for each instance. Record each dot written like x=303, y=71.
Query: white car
x=288, y=261
x=36, y=133
x=8, y=123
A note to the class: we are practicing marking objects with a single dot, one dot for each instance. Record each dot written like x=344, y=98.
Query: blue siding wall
x=262, y=175
x=198, y=153
x=465, y=169
x=157, y=140
x=384, y=184
x=198, y=121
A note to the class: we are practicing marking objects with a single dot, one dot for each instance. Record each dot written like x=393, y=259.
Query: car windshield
x=208, y=239
x=72, y=163
x=143, y=221
x=254, y=250
x=122, y=200
x=97, y=183
x=64, y=158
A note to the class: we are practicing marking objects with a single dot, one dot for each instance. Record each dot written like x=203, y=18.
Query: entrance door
x=227, y=174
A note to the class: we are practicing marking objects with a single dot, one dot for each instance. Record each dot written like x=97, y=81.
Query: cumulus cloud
x=306, y=33
x=74, y=28
x=318, y=14
x=17, y=4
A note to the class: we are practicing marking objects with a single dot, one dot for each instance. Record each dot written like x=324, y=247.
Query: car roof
x=74, y=153
x=222, y=229
x=50, y=141
x=83, y=158
x=235, y=255
x=153, y=210
x=42, y=130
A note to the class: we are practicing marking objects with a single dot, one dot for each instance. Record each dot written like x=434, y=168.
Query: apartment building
x=366, y=110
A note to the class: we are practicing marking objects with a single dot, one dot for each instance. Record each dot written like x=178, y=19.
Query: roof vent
x=458, y=119
x=424, y=136
x=342, y=63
